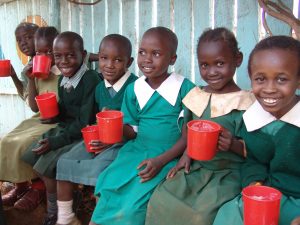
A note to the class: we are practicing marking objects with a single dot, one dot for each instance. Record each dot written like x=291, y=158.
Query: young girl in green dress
x=194, y=189
x=151, y=108
x=77, y=108
x=28, y=193
x=271, y=128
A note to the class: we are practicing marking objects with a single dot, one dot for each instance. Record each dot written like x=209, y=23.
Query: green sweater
x=77, y=109
x=273, y=154
x=103, y=98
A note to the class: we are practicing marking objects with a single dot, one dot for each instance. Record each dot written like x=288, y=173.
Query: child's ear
x=173, y=59
x=239, y=59
x=84, y=54
x=130, y=62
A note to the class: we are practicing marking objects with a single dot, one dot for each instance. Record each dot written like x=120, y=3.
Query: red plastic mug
x=41, y=65
x=90, y=133
x=110, y=126
x=261, y=205
x=5, y=68
x=202, y=139
x=47, y=104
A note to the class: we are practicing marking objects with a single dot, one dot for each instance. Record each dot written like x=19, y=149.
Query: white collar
x=169, y=89
x=119, y=84
x=256, y=117
x=73, y=81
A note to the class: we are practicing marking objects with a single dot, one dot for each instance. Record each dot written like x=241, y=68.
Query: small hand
x=184, y=162
x=98, y=146
x=28, y=70
x=152, y=167
x=42, y=147
x=296, y=221
x=225, y=140
x=256, y=183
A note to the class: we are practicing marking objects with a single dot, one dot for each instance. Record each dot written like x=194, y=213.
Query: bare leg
x=64, y=190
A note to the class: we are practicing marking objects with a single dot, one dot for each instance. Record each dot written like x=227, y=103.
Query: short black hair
x=276, y=42
x=220, y=34
x=71, y=37
x=27, y=26
x=165, y=32
x=122, y=40
x=48, y=33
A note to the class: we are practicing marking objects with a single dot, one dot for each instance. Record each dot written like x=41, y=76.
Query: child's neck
x=228, y=88
x=155, y=82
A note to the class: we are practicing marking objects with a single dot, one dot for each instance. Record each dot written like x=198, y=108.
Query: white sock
x=65, y=212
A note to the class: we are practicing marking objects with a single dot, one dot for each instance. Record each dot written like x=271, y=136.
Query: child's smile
x=275, y=78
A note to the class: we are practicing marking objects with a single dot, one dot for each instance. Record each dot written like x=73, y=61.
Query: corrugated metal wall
x=188, y=18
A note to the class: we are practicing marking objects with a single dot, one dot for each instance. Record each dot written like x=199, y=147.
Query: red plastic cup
x=41, y=65
x=261, y=205
x=5, y=68
x=110, y=126
x=47, y=104
x=90, y=133
x=202, y=139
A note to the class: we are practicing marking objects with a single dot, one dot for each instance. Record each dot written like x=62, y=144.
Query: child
x=26, y=196
x=271, y=128
x=79, y=166
x=151, y=108
x=77, y=109
x=196, y=193
x=25, y=40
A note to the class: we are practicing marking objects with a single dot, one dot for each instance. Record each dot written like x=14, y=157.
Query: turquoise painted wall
x=188, y=18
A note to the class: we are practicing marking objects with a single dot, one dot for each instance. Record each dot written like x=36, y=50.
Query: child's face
x=275, y=78
x=113, y=60
x=217, y=65
x=155, y=56
x=43, y=47
x=68, y=57
x=25, y=41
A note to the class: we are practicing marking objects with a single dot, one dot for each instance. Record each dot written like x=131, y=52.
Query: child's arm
x=42, y=147
x=17, y=82
x=128, y=132
x=228, y=142
x=154, y=165
x=32, y=93
x=84, y=116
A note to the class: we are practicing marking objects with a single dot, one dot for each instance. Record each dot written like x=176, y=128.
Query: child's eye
x=204, y=65
x=118, y=60
x=281, y=79
x=103, y=57
x=141, y=52
x=220, y=64
x=156, y=54
x=259, y=79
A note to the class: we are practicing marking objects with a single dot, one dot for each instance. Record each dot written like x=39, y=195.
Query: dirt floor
x=35, y=217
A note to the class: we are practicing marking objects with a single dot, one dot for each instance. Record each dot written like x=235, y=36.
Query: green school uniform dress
x=15, y=143
x=273, y=155
x=80, y=166
x=77, y=109
x=154, y=115
x=194, y=198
